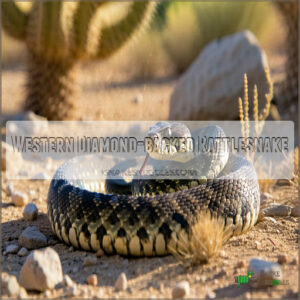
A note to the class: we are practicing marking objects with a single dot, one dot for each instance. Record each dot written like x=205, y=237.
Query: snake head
x=169, y=141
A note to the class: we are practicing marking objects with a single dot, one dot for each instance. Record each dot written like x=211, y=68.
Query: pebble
x=19, y=199
x=181, y=289
x=32, y=238
x=41, y=176
x=23, y=252
x=11, y=287
x=89, y=261
x=42, y=270
x=241, y=264
x=31, y=192
x=100, y=253
x=71, y=249
x=121, y=282
x=282, y=259
x=67, y=281
x=92, y=280
x=11, y=249
x=223, y=254
x=257, y=244
x=296, y=211
x=30, y=212
x=71, y=291
x=269, y=219
x=277, y=211
x=210, y=295
x=10, y=189
x=222, y=273
x=294, y=261
x=264, y=272
x=138, y=98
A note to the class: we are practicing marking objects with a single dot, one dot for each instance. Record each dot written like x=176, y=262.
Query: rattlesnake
x=146, y=223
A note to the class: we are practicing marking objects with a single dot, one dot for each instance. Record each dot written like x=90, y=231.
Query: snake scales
x=147, y=223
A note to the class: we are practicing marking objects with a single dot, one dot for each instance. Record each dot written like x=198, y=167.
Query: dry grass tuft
x=206, y=239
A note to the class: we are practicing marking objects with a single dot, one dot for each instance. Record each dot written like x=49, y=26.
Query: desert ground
x=107, y=94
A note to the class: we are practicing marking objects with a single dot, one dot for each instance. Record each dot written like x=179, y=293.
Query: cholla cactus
x=59, y=34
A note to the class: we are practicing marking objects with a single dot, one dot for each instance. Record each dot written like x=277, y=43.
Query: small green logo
x=244, y=279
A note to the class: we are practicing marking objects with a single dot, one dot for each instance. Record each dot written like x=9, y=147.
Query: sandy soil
x=147, y=276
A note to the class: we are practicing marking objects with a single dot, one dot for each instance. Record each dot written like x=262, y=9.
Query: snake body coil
x=147, y=225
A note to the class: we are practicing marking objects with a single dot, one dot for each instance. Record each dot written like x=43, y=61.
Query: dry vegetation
x=206, y=239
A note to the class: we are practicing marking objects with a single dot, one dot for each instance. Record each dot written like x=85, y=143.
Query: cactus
x=59, y=34
x=289, y=89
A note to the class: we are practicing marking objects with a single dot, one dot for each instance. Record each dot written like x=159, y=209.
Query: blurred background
x=136, y=83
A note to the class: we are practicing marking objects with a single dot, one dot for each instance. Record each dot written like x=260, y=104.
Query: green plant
x=60, y=34
x=191, y=25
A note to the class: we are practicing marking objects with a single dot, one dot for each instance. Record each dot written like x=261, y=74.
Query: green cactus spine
x=59, y=34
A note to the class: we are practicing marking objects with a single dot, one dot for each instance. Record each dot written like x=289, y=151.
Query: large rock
x=42, y=270
x=32, y=238
x=210, y=88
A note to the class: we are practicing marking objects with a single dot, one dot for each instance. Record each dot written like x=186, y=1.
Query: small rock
x=67, y=281
x=222, y=273
x=71, y=249
x=10, y=189
x=270, y=219
x=138, y=98
x=23, y=252
x=41, y=176
x=30, y=212
x=294, y=261
x=47, y=294
x=19, y=199
x=277, y=211
x=257, y=245
x=181, y=290
x=31, y=192
x=42, y=270
x=296, y=211
x=11, y=287
x=90, y=261
x=210, y=295
x=264, y=272
x=32, y=238
x=71, y=291
x=282, y=259
x=121, y=282
x=92, y=280
x=223, y=254
x=100, y=253
x=241, y=264
x=11, y=249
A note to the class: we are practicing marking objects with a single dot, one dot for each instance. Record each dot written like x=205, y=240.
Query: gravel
x=32, y=238
x=42, y=270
